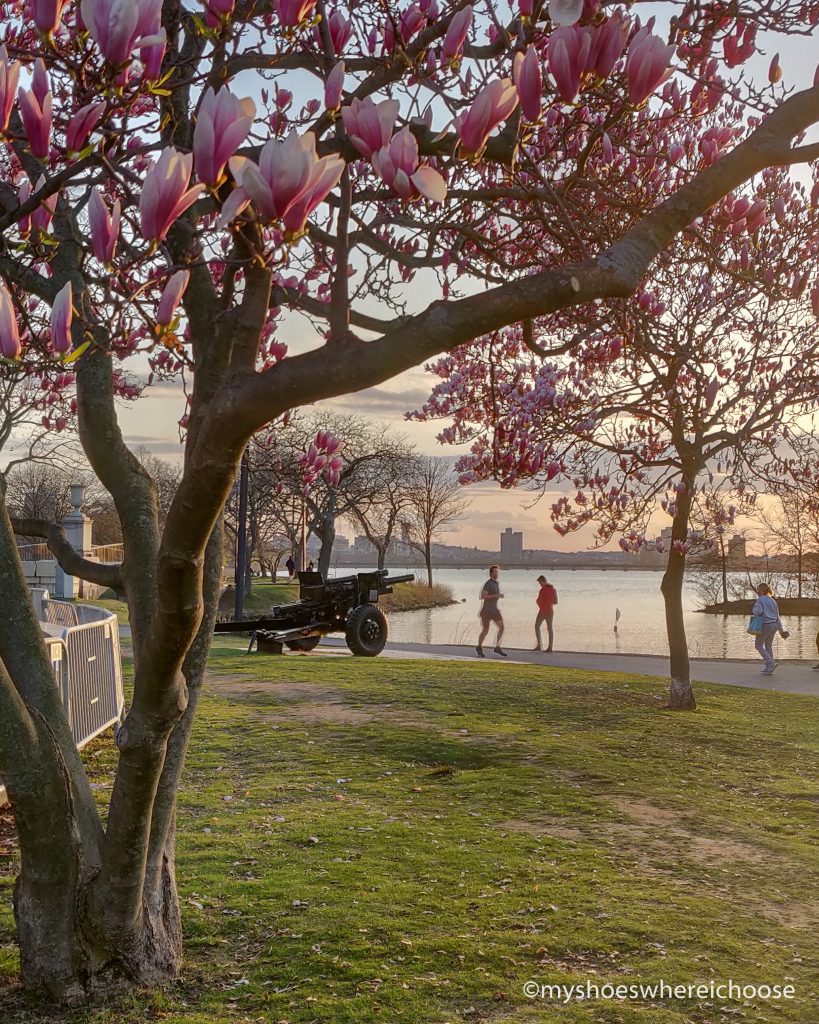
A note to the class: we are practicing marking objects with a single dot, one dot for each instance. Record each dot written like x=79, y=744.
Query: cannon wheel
x=366, y=631
x=303, y=643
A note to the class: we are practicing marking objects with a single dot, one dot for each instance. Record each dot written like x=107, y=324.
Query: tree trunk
x=382, y=556
x=428, y=560
x=724, y=571
x=681, y=696
x=66, y=952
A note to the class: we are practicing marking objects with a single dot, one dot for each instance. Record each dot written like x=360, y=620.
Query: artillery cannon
x=346, y=605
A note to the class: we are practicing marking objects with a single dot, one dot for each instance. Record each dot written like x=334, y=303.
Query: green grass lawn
x=410, y=842
x=112, y=604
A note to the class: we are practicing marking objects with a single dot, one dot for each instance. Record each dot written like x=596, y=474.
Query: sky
x=152, y=422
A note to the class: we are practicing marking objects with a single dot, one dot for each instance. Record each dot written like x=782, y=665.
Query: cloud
x=380, y=401
x=161, y=389
x=155, y=445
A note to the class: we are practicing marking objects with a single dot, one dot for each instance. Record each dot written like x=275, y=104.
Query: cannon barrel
x=407, y=578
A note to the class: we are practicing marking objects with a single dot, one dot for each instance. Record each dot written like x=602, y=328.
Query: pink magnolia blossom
x=236, y=202
x=217, y=12
x=10, y=346
x=526, y=8
x=82, y=124
x=493, y=104
x=165, y=193
x=740, y=45
x=293, y=12
x=334, y=86
x=119, y=26
x=608, y=42
x=171, y=297
x=23, y=196
x=290, y=181
x=322, y=182
x=222, y=125
x=152, y=55
x=41, y=218
x=569, y=54
x=369, y=125
x=9, y=76
x=36, y=121
x=528, y=82
x=456, y=35
x=340, y=31
x=412, y=21
x=40, y=84
x=647, y=65
x=46, y=15
x=62, y=313
x=397, y=166
x=104, y=227
x=565, y=12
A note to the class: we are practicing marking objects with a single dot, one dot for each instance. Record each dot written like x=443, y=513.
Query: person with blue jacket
x=771, y=625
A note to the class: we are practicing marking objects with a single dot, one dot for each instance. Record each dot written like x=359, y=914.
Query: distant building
x=511, y=546
x=737, y=554
x=654, y=554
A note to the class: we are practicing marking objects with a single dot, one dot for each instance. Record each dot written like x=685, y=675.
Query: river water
x=585, y=615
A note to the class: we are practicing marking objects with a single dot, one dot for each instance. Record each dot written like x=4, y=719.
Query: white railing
x=109, y=553
x=35, y=552
x=83, y=642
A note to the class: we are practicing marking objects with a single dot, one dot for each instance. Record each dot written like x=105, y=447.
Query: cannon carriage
x=348, y=604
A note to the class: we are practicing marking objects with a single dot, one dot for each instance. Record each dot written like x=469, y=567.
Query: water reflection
x=585, y=617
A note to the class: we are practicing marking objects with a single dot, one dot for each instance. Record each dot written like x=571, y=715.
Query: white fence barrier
x=83, y=642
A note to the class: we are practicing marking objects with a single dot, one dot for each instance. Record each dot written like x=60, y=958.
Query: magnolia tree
x=705, y=371
x=172, y=176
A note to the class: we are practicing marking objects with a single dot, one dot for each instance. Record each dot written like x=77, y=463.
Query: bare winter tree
x=437, y=501
x=38, y=490
x=390, y=483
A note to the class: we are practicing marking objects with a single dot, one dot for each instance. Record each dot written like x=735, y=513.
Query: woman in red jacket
x=546, y=601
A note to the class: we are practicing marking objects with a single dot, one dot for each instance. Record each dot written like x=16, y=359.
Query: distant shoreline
x=787, y=606
x=529, y=566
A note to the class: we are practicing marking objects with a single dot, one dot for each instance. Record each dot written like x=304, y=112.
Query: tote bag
x=755, y=625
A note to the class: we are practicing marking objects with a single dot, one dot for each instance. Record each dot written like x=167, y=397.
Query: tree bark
x=428, y=560
x=681, y=696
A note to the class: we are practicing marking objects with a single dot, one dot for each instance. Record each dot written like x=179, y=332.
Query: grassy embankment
x=410, y=842
x=405, y=597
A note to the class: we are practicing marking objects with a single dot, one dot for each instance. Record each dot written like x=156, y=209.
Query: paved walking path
x=790, y=676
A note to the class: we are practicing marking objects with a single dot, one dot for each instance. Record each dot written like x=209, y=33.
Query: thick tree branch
x=70, y=561
x=353, y=364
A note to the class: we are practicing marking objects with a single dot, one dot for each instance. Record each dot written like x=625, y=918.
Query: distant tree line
x=385, y=489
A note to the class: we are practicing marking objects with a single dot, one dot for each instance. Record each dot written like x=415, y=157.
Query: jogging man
x=489, y=612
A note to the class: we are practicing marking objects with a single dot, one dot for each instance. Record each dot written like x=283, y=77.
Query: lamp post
x=303, y=533
x=241, y=542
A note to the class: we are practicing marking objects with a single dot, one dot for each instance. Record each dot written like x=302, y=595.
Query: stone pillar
x=77, y=528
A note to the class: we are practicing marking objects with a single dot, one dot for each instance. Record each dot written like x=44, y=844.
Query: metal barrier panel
x=85, y=660
x=60, y=613
x=59, y=666
x=95, y=699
